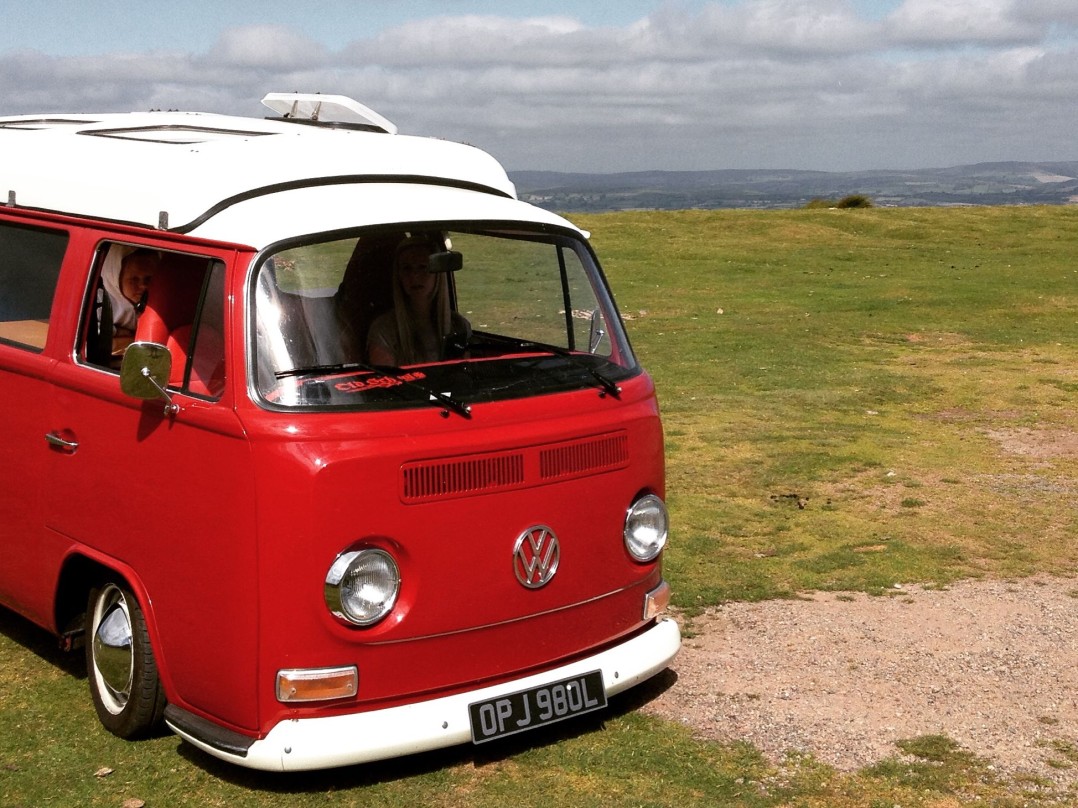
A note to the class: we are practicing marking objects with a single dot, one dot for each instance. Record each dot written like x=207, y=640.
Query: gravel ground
x=993, y=665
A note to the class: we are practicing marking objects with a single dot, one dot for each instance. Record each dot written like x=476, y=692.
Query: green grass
x=851, y=399
x=872, y=364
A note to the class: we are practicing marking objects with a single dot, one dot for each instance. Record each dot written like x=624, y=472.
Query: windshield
x=387, y=320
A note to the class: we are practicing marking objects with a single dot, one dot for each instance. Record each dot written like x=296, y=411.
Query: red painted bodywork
x=225, y=519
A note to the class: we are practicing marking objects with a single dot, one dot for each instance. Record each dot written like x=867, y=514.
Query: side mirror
x=448, y=261
x=144, y=373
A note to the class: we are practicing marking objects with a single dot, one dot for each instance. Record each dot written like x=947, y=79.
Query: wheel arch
x=85, y=570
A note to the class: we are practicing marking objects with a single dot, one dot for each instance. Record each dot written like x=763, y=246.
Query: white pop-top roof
x=249, y=180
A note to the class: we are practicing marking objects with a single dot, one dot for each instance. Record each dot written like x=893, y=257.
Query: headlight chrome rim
x=362, y=586
x=646, y=528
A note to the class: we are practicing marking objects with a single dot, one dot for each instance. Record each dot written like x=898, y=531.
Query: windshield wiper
x=315, y=370
x=403, y=376
x=608, y=385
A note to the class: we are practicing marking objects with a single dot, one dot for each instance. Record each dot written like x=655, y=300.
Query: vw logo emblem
x=535, y=556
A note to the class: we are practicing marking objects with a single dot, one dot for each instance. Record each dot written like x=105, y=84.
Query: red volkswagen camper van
x=323, y=445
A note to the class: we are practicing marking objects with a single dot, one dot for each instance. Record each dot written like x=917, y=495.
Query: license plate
x=536, y=707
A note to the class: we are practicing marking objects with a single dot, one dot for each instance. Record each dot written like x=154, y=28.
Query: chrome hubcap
x=113, y=650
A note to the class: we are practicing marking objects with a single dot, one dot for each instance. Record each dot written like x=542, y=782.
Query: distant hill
x=979, y=184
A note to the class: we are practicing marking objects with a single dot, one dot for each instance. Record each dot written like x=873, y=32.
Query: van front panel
x=463, y=615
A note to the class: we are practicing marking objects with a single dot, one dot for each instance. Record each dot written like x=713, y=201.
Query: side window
x=118, y=296
x=173, y=299
x=205, y=374
x=30, y=260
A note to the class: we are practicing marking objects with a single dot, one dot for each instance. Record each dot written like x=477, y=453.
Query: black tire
x=120, y=665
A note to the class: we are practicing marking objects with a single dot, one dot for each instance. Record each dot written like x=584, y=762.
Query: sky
x=604, y=86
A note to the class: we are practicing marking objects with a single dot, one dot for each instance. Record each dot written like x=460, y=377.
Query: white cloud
x=751, y=83
x=962, y=21
x=272, y=47
x=1062, y=13
x=795, y=26
x=469, y=39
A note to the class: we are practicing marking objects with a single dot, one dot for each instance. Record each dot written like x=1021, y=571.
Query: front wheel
x=120, y=665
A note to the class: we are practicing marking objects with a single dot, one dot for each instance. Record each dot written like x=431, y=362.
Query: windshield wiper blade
x=403, y=376
x=319, y=370
x=608, y=385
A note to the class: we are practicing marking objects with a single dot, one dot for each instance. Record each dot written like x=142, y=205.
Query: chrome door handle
x=69, y=446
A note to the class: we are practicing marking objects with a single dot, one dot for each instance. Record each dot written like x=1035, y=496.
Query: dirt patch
x=942, y=339
x=1036, y=443
x=993, y=665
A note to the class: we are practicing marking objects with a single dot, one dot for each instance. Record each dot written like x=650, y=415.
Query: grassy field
x=852, y=399
x=858, y=398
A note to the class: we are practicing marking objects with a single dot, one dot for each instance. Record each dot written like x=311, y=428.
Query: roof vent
x=327, y=109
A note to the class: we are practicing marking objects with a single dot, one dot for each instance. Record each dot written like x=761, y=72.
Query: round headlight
x=645, y=528
x=362, y=586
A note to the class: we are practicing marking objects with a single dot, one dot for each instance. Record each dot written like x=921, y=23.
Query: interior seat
x=172, y=305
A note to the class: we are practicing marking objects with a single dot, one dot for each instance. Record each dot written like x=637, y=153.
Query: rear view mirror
x=144, y=373
x=448, y=261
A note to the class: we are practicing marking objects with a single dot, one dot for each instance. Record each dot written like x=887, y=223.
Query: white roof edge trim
x=318, y=107
x=323, y=182
x=311, y=212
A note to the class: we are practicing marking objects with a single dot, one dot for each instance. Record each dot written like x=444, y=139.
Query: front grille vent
x=451, y=478
x=447, y=478
x=584, y=457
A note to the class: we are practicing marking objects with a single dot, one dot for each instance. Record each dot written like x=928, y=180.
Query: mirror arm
x=595, y=332
x=171, y=407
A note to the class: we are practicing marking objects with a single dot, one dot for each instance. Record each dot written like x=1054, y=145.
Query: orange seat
x=168, y=319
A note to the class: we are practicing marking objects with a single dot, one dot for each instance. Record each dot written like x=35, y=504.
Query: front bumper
x=343, y=740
